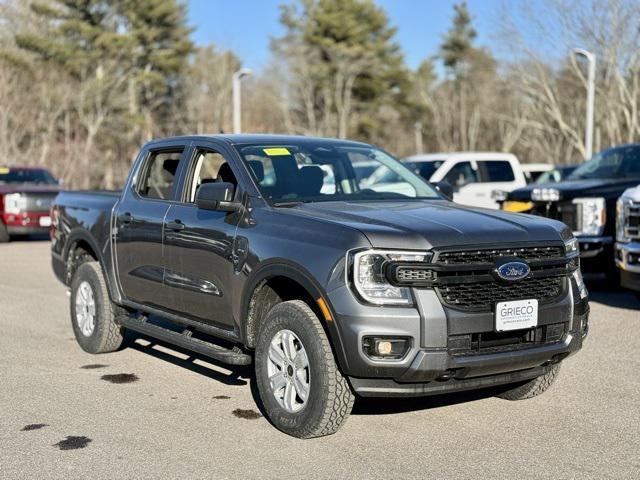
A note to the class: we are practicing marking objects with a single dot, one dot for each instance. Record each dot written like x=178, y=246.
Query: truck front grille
x=632, y=221
x=482, y=296
x=528, y=254
x=497, y=342
x=465, y=279
x=566, y=212
x=37, y=202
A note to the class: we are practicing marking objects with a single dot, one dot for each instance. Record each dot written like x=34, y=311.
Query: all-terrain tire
x=106, y=335
x=532, y=388
x=330, y=398
x=4, y=234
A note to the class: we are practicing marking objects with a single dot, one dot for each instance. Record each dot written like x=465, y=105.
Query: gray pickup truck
x=271, y=250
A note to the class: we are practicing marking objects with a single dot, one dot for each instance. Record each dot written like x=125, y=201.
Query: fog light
x=385, y=347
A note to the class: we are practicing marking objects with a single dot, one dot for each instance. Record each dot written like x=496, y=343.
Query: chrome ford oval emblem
x=512, y=271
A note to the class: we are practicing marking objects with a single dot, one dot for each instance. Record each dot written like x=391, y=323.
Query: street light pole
x=591, y=95
x=235, y=91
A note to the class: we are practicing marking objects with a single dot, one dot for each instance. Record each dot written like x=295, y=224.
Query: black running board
x=229, y=356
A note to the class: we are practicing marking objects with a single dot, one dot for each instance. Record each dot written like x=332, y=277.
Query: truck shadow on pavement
x=386, y=406
x=237, y=376
x=241, y=376
x=618, y=297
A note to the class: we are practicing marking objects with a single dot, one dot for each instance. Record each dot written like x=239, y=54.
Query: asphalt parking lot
x=148, y=411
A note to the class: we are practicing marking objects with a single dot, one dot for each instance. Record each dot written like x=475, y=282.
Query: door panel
x=139, y=252
x=198, y=244
x=139, y=227
x=198, y=252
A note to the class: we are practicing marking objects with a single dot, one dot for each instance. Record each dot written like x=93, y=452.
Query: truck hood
x=432, y=223
x=570, y=189
x=633, y=193
x=27, y=188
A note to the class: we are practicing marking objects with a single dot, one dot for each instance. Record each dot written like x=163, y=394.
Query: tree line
x=83, y=83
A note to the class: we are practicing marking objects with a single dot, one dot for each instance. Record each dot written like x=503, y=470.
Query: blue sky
x=245, y=26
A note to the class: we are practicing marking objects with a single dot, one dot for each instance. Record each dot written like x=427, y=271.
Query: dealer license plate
x=45, y=221
x=516, y=315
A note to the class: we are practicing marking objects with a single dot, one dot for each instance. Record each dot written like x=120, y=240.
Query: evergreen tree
x=353, y=65
x=125, y=59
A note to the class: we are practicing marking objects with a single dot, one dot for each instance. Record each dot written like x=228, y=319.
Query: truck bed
x=80, y=216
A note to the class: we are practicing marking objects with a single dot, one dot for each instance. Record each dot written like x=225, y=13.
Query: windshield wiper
x=288, y=204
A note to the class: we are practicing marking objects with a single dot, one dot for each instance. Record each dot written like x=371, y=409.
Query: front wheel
x=4, y=234
x=532, y=388
x=92, y=311
x=303, y=392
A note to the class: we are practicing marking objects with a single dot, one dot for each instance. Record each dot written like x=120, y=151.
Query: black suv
x=271, y=250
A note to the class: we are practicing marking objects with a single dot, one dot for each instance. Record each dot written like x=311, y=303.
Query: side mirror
x=445, y=188
x=217, y=196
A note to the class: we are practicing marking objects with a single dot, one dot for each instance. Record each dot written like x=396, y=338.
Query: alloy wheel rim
x=85, y=309
x=288, y=371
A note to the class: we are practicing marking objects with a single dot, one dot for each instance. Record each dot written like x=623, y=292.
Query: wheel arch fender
x=81, y=237
x=283, y=270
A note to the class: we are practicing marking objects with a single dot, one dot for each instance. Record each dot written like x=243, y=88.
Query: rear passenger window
x=159, y=175
x=497, y=171
x=461, y=174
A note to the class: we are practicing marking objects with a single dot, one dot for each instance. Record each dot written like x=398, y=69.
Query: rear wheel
x=303, y=392
x=4, y=234
x=531, y=388
x=92, y=311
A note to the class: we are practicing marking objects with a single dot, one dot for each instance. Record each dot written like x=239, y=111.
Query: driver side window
x=209, y=167
x=461, y=174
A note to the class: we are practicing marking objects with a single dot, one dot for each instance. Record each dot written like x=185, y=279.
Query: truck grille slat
x=482, y=296
x=529, y=254
x=632, y=221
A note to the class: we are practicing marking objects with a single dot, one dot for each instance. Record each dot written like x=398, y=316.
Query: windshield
x=321, y=172
x=23, y=175
x=615, y=163
x=424, y=169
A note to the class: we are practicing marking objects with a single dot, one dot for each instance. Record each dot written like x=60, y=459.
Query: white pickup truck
x=628, y=238
x=473, y=175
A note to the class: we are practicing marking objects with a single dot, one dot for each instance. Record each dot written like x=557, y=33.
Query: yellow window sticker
x=4, y=170
x=274, y=152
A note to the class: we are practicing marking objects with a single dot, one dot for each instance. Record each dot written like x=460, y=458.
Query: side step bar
x=140, y=324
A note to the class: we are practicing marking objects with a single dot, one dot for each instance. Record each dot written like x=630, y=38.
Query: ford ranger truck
x=269, y=250
x=25, y=198
x=628, y=239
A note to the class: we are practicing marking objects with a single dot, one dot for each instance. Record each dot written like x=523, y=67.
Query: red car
x=25, y=197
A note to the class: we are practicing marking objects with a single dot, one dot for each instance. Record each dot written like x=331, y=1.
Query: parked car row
x=594, y=202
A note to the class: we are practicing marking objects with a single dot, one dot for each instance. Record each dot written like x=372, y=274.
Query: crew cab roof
x=240, y=139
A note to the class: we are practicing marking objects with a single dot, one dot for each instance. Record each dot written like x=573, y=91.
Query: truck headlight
x=369, y=277
x=582, y=289
x=572, y=248
x=622, y=211
x=592, y=215
x=14, y=203
x=499, y=195
x=545, y=195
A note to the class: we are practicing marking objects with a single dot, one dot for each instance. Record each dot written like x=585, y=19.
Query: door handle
x=176, y=225
x=126, y=218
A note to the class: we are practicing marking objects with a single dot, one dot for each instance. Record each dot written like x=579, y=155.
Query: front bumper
x=596, y=253
x=628, y=261
x=27, y=223
x=431, y=366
